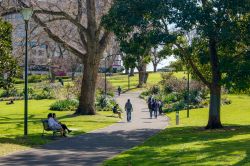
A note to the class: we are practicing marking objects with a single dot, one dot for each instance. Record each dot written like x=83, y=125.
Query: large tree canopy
x=8, y=65
x=218, y=38
x=75, y=25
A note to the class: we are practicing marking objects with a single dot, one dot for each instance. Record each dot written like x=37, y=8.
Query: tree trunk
x=142, y=75
x=215, y=89
x=53, y=75
x=73, y=75
x=126, y=71
x=132, y=71
x=214, y=108
x=88, y=88
x=155, y=67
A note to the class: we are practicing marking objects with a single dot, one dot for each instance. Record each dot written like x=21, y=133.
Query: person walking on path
x=160, y=104
x=153, y=108
x=119, y=90
x=150, y=104
x=128, y=109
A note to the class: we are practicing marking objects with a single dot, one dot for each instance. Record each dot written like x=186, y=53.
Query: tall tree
x=221, y=26
x=76, y=26
x=8, y=65
x=157, y=56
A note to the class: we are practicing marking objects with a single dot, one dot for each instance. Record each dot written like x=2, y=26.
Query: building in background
x=44, y=53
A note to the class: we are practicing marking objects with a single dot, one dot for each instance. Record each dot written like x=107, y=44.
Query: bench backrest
x=45, y=124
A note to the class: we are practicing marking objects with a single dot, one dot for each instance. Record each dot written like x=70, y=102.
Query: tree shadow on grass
x=191, y=146
x=173, y=146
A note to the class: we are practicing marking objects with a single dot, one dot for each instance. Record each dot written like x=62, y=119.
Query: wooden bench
x=47, y=128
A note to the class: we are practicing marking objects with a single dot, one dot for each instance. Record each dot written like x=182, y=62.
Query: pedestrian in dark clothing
x=119, y=90
x=117, y=111
x=128, y=109
x=156, y=108
x=149, y=102
x=152, y=107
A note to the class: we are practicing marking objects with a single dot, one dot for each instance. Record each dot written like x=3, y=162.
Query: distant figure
x=117, y=111
x=10, y=102
x=61, y=81
x=149, y=101
x=63, y=125
x=128, y=109
x=119, y=90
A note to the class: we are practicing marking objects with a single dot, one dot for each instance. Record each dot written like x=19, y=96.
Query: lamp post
x=188, y=89
x=105, y=84
x=105, y=90
x=26, y=13
x=128, y=81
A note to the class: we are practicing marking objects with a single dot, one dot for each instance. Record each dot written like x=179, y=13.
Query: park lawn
x=190, y=144
x=122, y=80
x=11, y=124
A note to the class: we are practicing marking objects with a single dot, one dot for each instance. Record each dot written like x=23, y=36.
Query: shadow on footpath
x=88, y=149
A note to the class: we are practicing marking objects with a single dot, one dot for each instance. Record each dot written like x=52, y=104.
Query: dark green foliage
x=8, y=65
x=64, y=105
x=10, y=93
x=105, y=103
x=45, y=94
x=154, y=90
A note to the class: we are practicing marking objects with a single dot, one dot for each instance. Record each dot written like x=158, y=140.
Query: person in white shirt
x=55, y=125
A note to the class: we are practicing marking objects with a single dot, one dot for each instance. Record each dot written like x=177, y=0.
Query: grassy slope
x=11, y=124
x=122, y=80
x=190, y=144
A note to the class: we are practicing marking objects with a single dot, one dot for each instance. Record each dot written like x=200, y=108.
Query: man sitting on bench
x=117, y=111
x=54, y=125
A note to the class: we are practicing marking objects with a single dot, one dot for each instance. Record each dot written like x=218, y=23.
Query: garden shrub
x=18, y=81
x=154, y=90
x=62, y=77
x=45, y=94
x=9, y=93
x=105, y=103
x=35, y=78
x=64, y=105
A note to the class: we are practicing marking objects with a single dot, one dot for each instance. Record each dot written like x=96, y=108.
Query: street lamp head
x=27, y=13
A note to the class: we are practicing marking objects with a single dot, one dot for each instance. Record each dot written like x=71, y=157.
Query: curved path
x=95, y=147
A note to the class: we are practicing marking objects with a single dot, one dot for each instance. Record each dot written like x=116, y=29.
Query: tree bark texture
x=142, y=74
x=88, y=88
x=215, y=89
x=132, y=71
x=155, y=67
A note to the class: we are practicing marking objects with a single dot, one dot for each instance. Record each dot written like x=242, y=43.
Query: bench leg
x=43, y=133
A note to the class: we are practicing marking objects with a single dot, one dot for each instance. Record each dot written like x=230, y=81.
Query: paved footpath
x=95, y=147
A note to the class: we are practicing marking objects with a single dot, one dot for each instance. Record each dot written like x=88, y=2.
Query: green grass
x=122, y=80
x=190, y=144
x=11, y=124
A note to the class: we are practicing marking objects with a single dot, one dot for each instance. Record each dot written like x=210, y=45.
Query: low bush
x=105, y=103
x=154, y=90
x=62, y=77
x=10, y=93
x=64, y=105
x=18, y=81
x=36, y=78
x=45, y=94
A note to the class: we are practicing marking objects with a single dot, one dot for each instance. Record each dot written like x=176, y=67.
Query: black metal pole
x=26, y=82
x=105, y=77
x=188, y=97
